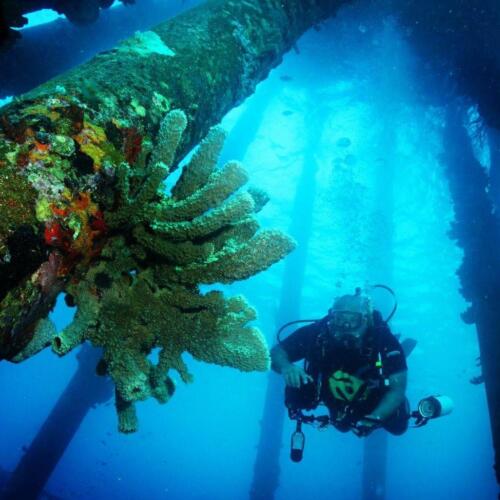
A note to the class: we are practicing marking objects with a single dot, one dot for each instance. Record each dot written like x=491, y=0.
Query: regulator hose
x=286, y=325
x=395, y=307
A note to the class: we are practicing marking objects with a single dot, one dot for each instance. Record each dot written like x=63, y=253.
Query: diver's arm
x=279, y=359
x=294, y=375
x=393, y=398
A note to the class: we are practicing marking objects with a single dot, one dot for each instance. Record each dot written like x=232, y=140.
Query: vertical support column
x=494, y=188
x=477, y=231
x=381, y=271
x=390, y=91
x=245, y=129
x=266, y=469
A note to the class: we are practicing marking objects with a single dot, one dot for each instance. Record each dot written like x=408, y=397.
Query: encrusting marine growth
x=128, y=254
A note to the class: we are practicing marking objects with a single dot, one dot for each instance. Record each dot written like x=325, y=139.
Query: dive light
x=434, y=407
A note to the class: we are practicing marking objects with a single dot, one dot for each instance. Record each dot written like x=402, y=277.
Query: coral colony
x=85, y=197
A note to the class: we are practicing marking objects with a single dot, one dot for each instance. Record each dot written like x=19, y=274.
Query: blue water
x=377, y=152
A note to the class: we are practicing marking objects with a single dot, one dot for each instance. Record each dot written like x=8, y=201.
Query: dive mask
x=345, y=322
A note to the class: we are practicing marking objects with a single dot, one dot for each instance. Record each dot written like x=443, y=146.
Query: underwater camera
x=305, y=397
x=432, y=407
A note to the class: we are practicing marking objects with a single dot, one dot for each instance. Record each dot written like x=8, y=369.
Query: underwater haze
x=348, y=142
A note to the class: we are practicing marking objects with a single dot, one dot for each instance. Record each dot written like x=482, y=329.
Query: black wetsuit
x=349, y=380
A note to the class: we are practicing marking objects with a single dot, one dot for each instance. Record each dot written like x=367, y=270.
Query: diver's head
x=349, y=317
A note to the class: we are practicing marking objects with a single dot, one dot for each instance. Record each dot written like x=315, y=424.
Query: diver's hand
x=366, y=425
x=295, y=376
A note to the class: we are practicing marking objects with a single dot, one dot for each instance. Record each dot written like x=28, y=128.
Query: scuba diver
x=354, y=366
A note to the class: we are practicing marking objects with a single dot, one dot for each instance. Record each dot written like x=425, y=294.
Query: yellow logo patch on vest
x=347, y=387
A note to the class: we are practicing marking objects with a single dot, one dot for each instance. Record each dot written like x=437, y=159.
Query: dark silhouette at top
x=12, y=13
